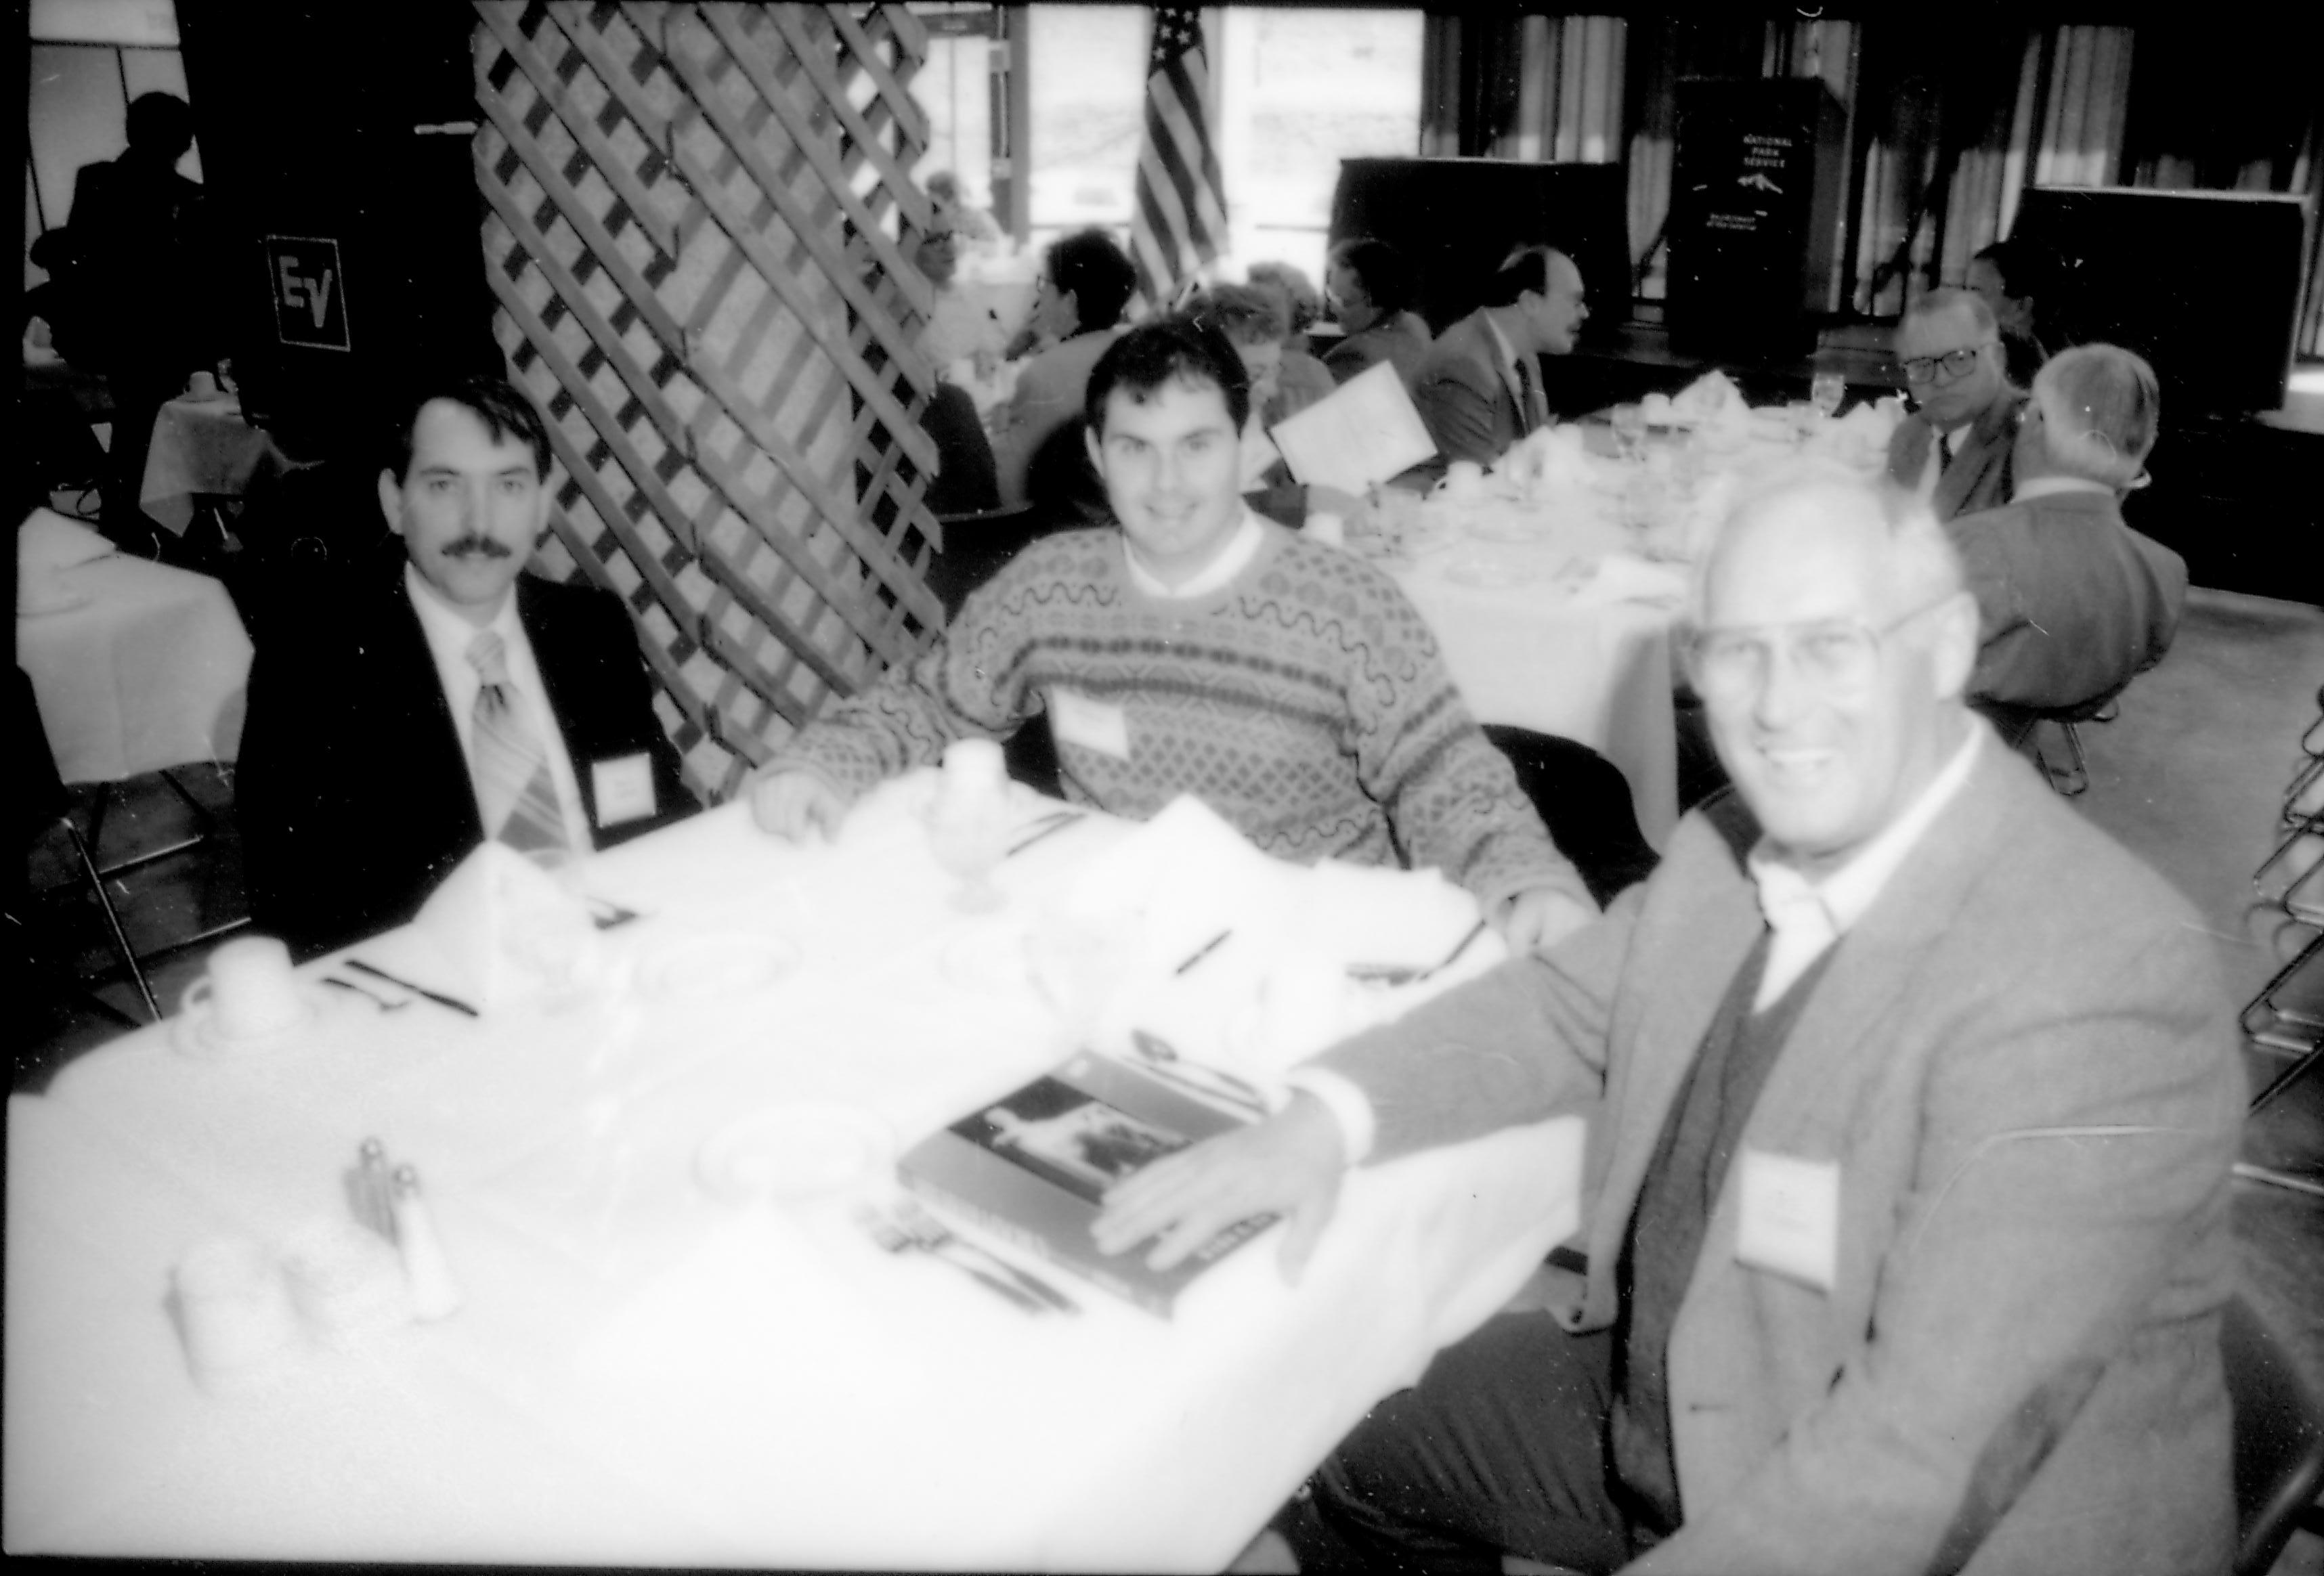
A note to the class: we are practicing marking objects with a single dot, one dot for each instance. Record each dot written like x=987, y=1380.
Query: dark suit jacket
x=1401, y=341
x=1467, y=405
x=2071, y=603
x=1979, y=475
x=2017, y=1072
x=353, y=795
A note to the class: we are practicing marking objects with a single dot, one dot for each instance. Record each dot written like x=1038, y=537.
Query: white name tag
x=1076, y=719
x=624, y=788
x=1790, y=1218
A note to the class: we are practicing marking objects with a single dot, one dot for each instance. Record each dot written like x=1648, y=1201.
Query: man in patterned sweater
x=1202, y=650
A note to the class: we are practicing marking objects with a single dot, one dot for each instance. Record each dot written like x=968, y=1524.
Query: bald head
x=2098, y=408
x=1831, y=646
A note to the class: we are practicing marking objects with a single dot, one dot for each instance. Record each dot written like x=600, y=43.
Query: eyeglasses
x=1839, y=656
x=1923, y=369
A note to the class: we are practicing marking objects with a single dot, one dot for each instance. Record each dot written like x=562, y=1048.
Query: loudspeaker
x=1756, y=186
x=1455, y=219
x=2204, y=284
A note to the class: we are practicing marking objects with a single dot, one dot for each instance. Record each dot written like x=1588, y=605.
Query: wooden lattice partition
x=699, y=224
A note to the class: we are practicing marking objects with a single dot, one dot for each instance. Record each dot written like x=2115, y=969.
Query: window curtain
x=1946, y=126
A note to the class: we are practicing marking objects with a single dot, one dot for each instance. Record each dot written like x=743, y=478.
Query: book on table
x=1033, y=1166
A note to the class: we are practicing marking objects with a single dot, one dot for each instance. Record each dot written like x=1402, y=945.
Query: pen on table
x=1058, y=823
x=1459, y=948
x=1205, y=950
x=453, y=1002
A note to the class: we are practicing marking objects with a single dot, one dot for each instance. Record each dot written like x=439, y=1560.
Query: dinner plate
x=727, y=965
x=195, y=1031
x=805, y=1149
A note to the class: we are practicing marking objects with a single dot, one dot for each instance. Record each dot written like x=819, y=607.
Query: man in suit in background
x=2072, y=603
x=1478, y=387
x=1907, y=1202
x=1372, y=289
x=403, y=709
x=1953, y=452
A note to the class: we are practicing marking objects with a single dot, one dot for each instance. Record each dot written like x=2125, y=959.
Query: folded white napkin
x=1549, y=459
x=506, y=929
x=47, y=543
x=1129, y=948
x=1711, y=397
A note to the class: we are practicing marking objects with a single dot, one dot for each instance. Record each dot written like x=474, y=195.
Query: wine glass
x=1630, y=429
x=1828, y=390
x=969, y=842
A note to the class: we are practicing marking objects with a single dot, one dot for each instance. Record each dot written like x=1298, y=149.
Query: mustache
x=474, y=546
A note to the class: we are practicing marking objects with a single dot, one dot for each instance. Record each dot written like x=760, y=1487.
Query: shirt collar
x=2045, y=486
x=1509, y=353
x=446, y=631
x=1850, y=890
x=1232, y=560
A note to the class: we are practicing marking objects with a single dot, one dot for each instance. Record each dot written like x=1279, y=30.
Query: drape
x=1946, y=125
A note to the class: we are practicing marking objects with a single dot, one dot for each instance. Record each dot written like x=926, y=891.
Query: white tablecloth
x=202, y=446
x=640, y=1374
x=150, y=670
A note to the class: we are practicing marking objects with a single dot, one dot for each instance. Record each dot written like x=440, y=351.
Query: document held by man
x=1364, y=432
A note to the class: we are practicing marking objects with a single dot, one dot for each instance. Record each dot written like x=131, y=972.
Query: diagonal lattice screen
x=699, y=226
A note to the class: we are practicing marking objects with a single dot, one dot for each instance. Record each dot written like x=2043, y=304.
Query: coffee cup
x=202, y=385
x=250, y=990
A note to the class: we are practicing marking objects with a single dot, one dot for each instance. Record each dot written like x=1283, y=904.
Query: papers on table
x=1364, y=432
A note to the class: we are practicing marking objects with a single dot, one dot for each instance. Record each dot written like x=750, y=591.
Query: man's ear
x=391, y=500
x=1096, y=449
x=1953, y=644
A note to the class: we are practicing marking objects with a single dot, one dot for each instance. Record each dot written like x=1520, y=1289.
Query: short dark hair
x=162, y=122
x=1526, y=268
x=505, y=409
x=1389, y=281
x=1166, y=350
x=1244, y=313
x=1099, y=274
x=2026, y=269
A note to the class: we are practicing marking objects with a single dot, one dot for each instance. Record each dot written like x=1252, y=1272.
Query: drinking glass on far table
x=1829, y=390
x=1630, y=429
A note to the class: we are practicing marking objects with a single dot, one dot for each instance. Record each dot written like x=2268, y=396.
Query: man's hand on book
x=1288, y=1165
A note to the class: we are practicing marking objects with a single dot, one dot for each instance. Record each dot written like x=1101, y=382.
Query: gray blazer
x=2019, y=1062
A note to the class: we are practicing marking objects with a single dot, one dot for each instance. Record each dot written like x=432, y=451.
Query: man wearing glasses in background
x=1913, y=1104
x=1954, y=451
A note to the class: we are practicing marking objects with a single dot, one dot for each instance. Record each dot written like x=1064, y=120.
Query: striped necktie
x=513, y=784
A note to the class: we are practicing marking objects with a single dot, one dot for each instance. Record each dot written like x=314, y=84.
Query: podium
x=1755, y=188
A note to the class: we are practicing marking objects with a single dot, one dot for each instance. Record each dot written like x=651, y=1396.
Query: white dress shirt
x=450, y=636
x=2044, y=486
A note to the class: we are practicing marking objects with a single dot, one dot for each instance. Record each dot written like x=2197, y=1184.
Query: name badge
x=1790, y=1218
x=1076, y=719
x=624, y=788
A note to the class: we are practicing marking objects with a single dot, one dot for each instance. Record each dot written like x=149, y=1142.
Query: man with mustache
x=406, y=708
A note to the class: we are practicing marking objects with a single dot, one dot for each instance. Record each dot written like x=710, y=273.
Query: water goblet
x=1630, y=429
x=1829, y=390
x=1803, y=417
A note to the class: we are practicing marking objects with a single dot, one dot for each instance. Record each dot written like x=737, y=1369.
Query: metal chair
x=2279, y=1442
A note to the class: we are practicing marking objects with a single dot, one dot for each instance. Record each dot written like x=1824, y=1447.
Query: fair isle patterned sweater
x=1305, y=702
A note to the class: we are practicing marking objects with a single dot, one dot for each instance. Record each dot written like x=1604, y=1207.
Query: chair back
x=1584, y=800
x=2279, y=1440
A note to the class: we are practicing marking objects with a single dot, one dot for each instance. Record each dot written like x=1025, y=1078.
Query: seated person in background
x=1954, y=451
x=958, y=329
x=2011, y=278
x=1907, y=1205
x=2071, y=603
x=1302, y=304
x=1372, y=291
x=1479, y=388
x=1198, y=649
x=1283, y=382
x=956, y=214
x=406, y=709
x=1086, y=280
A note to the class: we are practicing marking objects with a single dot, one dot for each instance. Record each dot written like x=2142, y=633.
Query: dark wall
x=312, y=118
x=1457, y=218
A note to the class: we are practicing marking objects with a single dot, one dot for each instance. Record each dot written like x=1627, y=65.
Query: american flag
x=1181, y=214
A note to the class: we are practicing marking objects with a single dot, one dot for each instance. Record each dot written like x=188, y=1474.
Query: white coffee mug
x=250, y=990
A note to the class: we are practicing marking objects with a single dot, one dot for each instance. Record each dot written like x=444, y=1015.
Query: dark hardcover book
x=1033, y=1167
